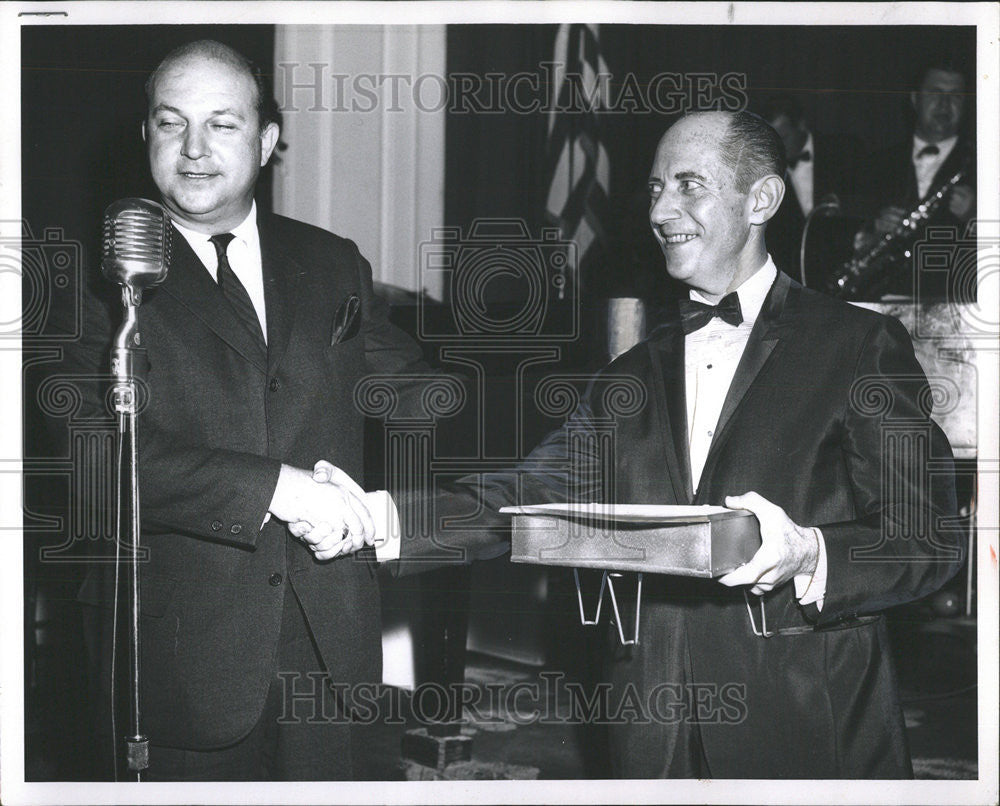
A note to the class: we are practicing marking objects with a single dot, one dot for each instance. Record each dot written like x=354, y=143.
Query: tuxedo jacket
x=218, y=421
x=827, y=417
x=889, y=178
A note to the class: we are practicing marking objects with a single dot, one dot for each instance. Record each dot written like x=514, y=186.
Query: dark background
x=82, y=105
x=849, y=80
x=83, y=102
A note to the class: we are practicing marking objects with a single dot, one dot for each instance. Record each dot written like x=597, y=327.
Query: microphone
x=135, y=254
x=136, y=251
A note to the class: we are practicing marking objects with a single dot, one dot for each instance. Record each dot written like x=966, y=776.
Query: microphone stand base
x=137, y=753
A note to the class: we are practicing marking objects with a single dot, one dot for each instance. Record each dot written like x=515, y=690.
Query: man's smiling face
x=699, y=218
x=939, y=105
x=205, y=144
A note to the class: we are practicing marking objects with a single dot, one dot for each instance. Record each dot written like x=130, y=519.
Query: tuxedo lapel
x=190, y=284
x=956, y=161
x=282, y=273
x=667, y=356
x=764, y=337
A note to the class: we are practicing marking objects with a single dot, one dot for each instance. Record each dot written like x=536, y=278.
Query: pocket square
x=346, y=321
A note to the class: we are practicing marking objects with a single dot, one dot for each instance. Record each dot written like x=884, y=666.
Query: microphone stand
x=129, y=365
x=829, y=202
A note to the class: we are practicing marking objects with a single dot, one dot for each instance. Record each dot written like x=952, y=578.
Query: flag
x=577, y=161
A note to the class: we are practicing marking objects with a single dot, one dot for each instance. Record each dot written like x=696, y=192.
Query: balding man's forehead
x=699, y=130
x=694, y=153
x=704, y=134
x=213, y=68
x=199, y=61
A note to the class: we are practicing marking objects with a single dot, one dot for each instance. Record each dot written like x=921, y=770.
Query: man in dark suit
x=767, y=396
x=255, y=623
x=819, y=166
x=892, y=182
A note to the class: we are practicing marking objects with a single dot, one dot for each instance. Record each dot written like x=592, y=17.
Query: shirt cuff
x=811, y=588
x=383, y=511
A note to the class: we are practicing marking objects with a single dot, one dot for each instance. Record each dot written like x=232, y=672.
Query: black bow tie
x=928, y=151
x=695, y=315
x=805, y=156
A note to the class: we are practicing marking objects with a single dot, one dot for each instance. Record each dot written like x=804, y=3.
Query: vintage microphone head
x=136, y=251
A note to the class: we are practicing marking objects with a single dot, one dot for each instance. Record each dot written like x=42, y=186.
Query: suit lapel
x=282, y=273
x=956, y=161
x=764, y=337
x=945, y=171
x=190, y=284
x=667, y=357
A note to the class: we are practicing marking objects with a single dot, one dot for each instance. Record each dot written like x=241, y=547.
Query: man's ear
x=144, y=131
x=765, y=198
x=268, y=140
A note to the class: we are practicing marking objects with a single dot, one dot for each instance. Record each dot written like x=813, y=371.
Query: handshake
x=327, y=510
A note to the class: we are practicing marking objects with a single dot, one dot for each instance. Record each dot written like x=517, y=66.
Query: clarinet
x=869, y=271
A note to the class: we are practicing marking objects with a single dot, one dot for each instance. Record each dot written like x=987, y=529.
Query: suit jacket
x=826, y=403
x=218, y=422
x=887, y=177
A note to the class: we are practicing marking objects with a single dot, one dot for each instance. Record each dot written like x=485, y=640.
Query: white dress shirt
x=927, y=165
x=244, y=259
x=711, y=356
x=246, y=263
x=802, y=177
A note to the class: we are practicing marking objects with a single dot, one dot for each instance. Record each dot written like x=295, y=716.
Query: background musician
x=895, y=180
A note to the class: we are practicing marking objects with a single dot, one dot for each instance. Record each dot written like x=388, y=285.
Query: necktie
x=234, y=291
x=805, y=156
x=928, y=151
x=695, y=315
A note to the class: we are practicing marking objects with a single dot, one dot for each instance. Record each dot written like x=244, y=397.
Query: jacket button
x=216, y=526
x=235, y=529
x=274, y=385
x=275, y=580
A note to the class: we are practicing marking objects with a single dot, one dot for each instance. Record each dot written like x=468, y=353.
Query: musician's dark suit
x=834, y=163
x=813, y=421
x=219, y=423
x=887, y=177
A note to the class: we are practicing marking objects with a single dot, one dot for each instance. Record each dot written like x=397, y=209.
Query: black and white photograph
x=501, y=402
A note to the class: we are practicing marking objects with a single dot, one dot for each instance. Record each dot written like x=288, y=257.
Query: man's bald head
x=210, y=50
x=751, y=147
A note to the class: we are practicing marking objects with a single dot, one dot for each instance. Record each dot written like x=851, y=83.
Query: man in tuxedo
x=819, y=168
x=893, y=181
x=257, y=615
x=767, y=396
